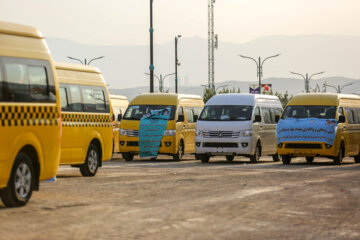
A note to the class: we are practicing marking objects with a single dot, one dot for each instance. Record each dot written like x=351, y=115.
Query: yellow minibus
x=320, y=125
x=119, y=104
x=179, y=136
x=87, y=138
x=29, y=113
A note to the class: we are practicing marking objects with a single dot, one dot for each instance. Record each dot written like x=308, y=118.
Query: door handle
x=184, y=126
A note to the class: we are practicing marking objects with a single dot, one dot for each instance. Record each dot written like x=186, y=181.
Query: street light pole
x=259, y=66
x=161, y=80
x=85, y=61
x=307, y=79
x=222, y=86
x=176, y=63
x=338, y=88
x=151, y=67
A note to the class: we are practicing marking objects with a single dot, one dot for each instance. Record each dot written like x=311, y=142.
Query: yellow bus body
x=119, y=104
x=347, y=135
x=29, y=119
x=185, y=130
x=86, y=114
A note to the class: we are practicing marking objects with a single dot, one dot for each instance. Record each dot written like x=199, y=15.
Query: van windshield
x=226, y=113
x=136, y=112
x=326, y=112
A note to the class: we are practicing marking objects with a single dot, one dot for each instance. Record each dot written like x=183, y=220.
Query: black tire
x=21, y=183
x=338, y=159
x=92, y=162
x=128, y=156
x=179, y=155
x=230, y=158
x=255, y=158
x=309, y=159
x=204, y=158
x=276, y=157
x=357, y=158
x=286, y=159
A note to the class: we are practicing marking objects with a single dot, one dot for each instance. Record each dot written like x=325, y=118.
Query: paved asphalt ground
x=164, y=199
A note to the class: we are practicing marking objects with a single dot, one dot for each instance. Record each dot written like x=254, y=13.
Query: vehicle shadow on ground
x=68, y=176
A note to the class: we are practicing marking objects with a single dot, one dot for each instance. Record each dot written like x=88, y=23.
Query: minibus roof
x=20, y=30
x=320, y=99
x=120, y=97
x=76, y=67
x=162, y=98
x=238, y=99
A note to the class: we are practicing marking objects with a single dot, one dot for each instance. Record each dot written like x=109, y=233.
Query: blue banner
x=306, y=130
x=151, y=131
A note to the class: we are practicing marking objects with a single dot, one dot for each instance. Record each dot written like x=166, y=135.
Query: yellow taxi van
x=320, y=125
x=179, y=136
x=119, y=104
x=29, y=113
x=87, y=138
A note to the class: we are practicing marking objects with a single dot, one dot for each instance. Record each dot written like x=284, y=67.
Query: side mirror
x=341, y=119
x=119, y=117
x=181, y=118
x=196, y=117
x=257, y=118
x=277, y=118
x=113, y=117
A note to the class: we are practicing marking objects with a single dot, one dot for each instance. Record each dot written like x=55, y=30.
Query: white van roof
x=238, y=99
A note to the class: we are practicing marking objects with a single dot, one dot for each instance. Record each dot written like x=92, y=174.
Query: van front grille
x=132, y=133
x=303, y=145
x=221, y=134
x=220, y=145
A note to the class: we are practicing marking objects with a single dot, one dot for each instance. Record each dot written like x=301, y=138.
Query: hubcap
x=92, y=161
x=22, y=181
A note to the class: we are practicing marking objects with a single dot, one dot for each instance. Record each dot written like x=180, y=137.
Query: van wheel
x=357, y=158
x=21, y=183
x=255, y=158
x=276, y=157
x=128, y=157
x=286, y=159
x=91, y=164
x=204, y=158
x=338, y=159
x=179, y=155
x=230, y=158
x=309, y=159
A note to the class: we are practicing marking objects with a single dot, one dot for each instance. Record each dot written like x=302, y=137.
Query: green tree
x=208, y=93
x=227, y=90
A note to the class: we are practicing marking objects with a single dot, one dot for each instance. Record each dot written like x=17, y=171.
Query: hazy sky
x=117, y=22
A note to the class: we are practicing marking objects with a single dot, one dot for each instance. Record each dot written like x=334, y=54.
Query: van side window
x=350, y=116
x=257, y=111
x=17, y=82
x=99, y=96
x=64, y=99
x=75, y=98
x=340, y=111
x=1, y=83
x=189, y=114
x=267, y=115
x=180, y=111
x=38, y=83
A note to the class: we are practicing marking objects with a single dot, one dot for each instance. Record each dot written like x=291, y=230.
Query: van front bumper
x=306, y=149
x=224, y=146
x=131, y=145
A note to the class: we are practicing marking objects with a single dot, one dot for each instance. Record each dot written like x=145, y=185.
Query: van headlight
x=171, y=132
x=198, y=132
x=246, y=133
x=122, y=132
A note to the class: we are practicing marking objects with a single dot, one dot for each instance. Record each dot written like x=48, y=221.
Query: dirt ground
x=188, y=200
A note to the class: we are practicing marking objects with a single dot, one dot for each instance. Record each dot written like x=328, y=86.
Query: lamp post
x=307, y=79
x=259, y=66
x=161, y=80
x=176, y=62
x=222, y=86
x=338, y=88
x=151, y=67
x=85, y=60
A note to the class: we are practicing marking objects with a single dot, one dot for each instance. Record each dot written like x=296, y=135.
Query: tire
x=21, y=183
x=276, y=157
x=338, y=159
x=309, y=159
x=286, y=159
x=91, y=164
x=230, y=158
x=255, y=158
x=179, y=155
x=204, y=158
x=357, y=158
x=128, y=157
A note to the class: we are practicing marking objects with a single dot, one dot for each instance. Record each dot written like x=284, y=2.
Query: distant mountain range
x=124, y=67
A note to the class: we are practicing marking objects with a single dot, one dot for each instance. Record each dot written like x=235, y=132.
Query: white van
x=238, y=124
